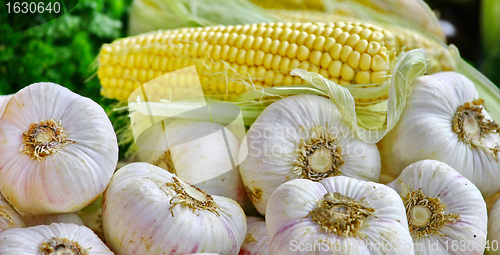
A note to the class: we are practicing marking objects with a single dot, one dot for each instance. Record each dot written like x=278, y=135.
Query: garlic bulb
x=493, y=242
x=444, y=120
x=256, y=242
x=35, y=220
x=303, y=136
x=9, y=217
x=59, y=150
x=200, y=153
x=57, y=238
x=145, y=202
x=337, y=215
x=446, y=212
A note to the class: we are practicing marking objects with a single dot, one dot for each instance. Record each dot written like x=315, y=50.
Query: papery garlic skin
x=9, y=217
x=3, y=103
x=73, y=156
x=199, y=153
x=140, y=204
x=281, y=139
x=464, y=213
x=493, y=243
x=292, y=230
x=425, y=131
x=35, y=220
x=256, y=241
x=71, y=238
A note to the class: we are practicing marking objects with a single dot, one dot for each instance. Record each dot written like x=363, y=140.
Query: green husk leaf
x=151, y=15
x=490, y=26
x=368, y=127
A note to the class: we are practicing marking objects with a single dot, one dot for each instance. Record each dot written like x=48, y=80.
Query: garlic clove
x=57, y=238
x=59, y=150
x=446, y=212
x=9, y=217
x=145, y=202
x=337, y=214
x=256, y=241
x=35, y=220
x=303, y=136
x=445, y=120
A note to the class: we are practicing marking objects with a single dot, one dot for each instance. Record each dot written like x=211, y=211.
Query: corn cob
x=231, y=60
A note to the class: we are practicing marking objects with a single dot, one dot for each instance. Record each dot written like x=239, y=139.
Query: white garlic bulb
x=35, y=220
x=337, y=215
x=145, y=202
x=200, y=153
x=446, y=212
x=256, y=242
x=57, y=238
x=9, y=217
x=444, y=120
x=59, y=150
x=493, y=242
x=303, y=136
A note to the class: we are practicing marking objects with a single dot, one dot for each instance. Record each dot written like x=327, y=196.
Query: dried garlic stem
x=43, y=139
x=62, y=246
x=189, y=195
x=341, y=215
x=471, y=126
x=319, y=157
x=425, y=214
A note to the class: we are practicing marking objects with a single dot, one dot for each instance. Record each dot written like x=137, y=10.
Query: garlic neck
x=191, y=196
x=321, y=161
x=471, y=125
x=62, y=246
x=319, y=157
x=341, y=215
x=425, y=214
x=44, y=138
x=420, y=216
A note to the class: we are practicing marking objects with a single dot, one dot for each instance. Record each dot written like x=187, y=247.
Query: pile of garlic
x=304, y=168
x=319, y=196
x=58, y=168
x=59, y=151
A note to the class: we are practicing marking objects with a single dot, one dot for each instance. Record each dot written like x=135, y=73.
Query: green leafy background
x=63, y=50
